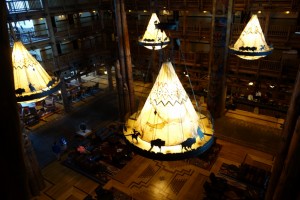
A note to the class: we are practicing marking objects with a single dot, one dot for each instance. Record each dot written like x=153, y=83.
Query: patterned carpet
x=99, y=158
x=206, y=160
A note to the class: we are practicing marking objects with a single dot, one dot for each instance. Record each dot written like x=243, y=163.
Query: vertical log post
x=287, y=135
x=128, y=59
x=121, y=98
x=287, y=187
x=122, y=66
x=13, y=170
x=64, y=93
x=220, y=32
x=124, y=57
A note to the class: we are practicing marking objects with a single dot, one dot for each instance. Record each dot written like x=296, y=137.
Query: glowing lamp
x=32, y=82
x=154, y=38
x=251, y=44
x=168, y=127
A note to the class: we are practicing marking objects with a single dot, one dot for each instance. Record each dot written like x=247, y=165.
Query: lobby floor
x=245, y=137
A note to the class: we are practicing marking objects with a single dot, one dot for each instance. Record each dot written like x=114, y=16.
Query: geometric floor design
x=143, y=178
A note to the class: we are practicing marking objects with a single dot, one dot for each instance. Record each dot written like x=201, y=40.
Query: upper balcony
x=24, y=9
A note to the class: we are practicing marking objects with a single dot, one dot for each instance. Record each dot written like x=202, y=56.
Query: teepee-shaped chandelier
x=168, y=127
x=251, y=44
x=154, y=38
x=32, y=82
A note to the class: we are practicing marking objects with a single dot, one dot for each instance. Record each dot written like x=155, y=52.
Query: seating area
x=31, y=113
x=242, y=182
x=100, y=155
x=78, y=91
x=34, y=112
x=269, y=108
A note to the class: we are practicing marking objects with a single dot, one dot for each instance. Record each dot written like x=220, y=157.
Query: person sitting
x=250, y=97
x=82, y=149
x=258, y=95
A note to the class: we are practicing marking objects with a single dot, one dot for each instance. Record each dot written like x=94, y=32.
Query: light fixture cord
x=145, y=78
x=190, y=82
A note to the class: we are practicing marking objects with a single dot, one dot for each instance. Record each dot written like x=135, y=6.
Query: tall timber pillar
x=285, y=174
x=125, y=84
x=220, y=34
x=13, y=169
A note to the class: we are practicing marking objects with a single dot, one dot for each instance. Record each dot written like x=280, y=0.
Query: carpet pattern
x=206, y=160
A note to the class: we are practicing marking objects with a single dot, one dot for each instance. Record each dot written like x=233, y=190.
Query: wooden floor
x=64, y=184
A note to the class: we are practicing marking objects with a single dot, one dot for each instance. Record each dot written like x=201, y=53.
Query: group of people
x=257, y=96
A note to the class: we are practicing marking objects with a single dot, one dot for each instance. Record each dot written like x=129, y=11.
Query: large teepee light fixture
x=168, y=127
x=154, y=38
x=251, y=44
x=32, y=82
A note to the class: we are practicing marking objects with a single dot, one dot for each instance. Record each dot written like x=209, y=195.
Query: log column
x=55, y=50
x=287, y=187
x=13, y=171
x=220, y=32
x=281, y=173
x=124, y=58
x=128, y=59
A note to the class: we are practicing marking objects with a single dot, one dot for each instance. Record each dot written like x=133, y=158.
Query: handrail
x=282, y=108
x=14, y=6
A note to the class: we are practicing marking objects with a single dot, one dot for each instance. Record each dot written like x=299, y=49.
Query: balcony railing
x=30, y=37
x=270, y=65
x=14, y=6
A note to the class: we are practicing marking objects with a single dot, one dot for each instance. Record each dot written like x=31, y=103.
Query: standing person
x=63, y=144
x=56, y=150
x=258, y=95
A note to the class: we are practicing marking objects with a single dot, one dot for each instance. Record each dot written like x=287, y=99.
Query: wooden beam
x=13, y=170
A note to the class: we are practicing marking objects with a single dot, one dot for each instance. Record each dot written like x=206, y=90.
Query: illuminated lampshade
x=32, y=82
x=153, y=37
x=251, y=44
x=168, y=126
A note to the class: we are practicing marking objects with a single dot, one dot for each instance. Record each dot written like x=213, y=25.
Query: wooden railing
x=270, y=65
x=169, y=4
x=66, y=3
x=14, y=6
x=288, y=4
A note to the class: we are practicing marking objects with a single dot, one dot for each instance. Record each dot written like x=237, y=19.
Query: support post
x=220, y=34
x=287, y=135
x=287, y=187
x=13, y=171
x=54, y=47
x=124, y=56
x=121, y=98
x=128, y=59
